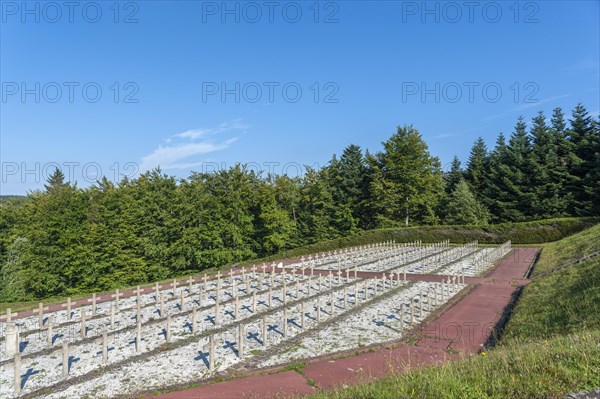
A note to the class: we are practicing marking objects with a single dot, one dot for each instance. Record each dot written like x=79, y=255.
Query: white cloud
x=182, y=149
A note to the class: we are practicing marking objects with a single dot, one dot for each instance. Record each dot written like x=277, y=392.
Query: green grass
x=563, y=302
x=568, y=249
x=549, y=347
x=546, y=369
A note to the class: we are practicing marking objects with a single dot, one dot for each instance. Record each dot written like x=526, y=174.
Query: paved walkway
x=464, y=328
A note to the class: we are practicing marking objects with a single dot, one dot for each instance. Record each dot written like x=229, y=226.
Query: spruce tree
x=546, y=175
x=476, y=165
x=463, y=207
x=584, y=137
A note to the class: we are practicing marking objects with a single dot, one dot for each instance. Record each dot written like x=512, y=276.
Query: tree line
x=65, y=240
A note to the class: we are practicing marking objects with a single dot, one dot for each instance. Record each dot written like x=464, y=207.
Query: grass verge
x=544, y=369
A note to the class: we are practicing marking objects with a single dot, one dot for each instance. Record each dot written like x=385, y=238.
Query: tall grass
x=568, y=249
x=541, y=369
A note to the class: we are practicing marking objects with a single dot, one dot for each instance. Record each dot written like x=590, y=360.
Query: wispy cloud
x=525, y=106
x=181, y=150
x=542, y=101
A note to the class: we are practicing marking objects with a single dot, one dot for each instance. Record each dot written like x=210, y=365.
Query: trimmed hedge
x=536, y=232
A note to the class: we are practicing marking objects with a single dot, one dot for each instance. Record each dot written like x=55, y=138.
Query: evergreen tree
x=519, y=163
x=497, y=192
x=584, y=137
x=463, y=207
x=454, y=176
x=546, y=176
x=406, y=180
x=476, y=166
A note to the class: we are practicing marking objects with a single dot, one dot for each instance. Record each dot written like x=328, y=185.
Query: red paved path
x=465, y=327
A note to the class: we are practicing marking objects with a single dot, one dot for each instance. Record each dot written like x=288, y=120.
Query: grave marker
x=104, y=346
x=94, y=304
x=40, y=311
x=65, y=362
x=68, y=305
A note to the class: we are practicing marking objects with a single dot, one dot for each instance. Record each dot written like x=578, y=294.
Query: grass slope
x=532, y=370
x=550, y=346
x=563, y=302
x=568, y=249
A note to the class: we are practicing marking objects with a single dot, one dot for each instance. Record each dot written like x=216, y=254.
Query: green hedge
x=536, y=232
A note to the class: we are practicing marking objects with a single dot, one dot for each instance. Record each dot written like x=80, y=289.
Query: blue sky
x=192, y=85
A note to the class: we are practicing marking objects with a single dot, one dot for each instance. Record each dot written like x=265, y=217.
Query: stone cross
x=211, y=352
x=302, y=315
x=319, y=308
x=12, y=340
x=9, y=315
x=285, y=323
x=50, y=333
x=190, y=284
x=104, y=346
x=265, y=338
x=138, y=291
x=194, y=316
x=68, y=305
x=17, y=386
x=181, y=299
x=112, y=315
x=40, y=311
x=138, y=337
x=236, y=303
x=65, y=362
x=331, y=299
x=162, y=305
x=241, y=341
x=93, y=300
x=168, y=329
x=270, y=295
x=83, y=328
x=174, y=286
x=217, y=313
x=254, y=302
x=117, y=295
x=157, y=288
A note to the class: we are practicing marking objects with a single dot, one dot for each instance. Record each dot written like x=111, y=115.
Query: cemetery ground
x=369, y=307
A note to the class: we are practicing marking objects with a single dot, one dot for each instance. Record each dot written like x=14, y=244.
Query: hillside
x=549, y=347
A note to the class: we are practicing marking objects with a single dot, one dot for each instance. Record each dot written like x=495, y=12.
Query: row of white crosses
x=482, y=261
x=338, y=256
x=442, y=255
x=323, y=304
x=168, y=323
x=380, y=256
x=371, y=289
x=115, y=307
